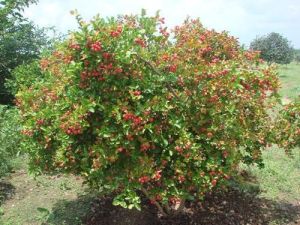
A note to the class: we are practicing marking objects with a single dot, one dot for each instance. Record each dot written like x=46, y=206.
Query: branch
x=180, y=207
x=168, y=208
x=169, y=87
x=161, y=210
x=4, y=66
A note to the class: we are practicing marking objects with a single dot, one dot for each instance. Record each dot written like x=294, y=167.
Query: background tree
x=288, y=126
x=10, y=138
x=274, y=48
x=297, y=55
x=297, y=59
x=20, y=41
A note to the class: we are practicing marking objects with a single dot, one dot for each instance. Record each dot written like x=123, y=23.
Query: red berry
x=214, y=182
x=128, y=116
x=181, y=179
x=136, y=93
x=151, y=120
x=40, y=122
x=210, y=135
x=144, y=179
x=178, y=149
x=120, y=149
x=157, y=175
x=137, y=121
x=140, y=42
x=106, y=55
x=75, y=46
x=145, y=147
x=118, y=70
x=173, y=68
x=225, y=154
x=96, y=47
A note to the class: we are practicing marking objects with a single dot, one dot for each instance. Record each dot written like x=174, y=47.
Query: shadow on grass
x=283, y=76
x=70, y=212
x=7, y=190
x=233, y=207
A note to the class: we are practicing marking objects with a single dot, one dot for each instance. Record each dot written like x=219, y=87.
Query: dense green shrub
x=24, y=76
x=10, y=137
x=21, y=41
x=297, y=58
x=288, y=125
x=130, y=108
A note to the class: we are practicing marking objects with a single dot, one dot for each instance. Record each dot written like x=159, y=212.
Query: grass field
x=290, y=79
x=58, y=200
x=29, y=200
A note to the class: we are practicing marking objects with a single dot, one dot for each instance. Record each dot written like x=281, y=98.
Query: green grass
x=290, y=80
x=280, y=179
x=41, y=199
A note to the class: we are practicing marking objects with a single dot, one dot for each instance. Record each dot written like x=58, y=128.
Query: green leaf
x=92, y=110
x=43, y=210
x=165, y=142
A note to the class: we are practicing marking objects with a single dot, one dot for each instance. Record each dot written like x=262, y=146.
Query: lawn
x=267, y=196
x=29, y=200
x=290, y=80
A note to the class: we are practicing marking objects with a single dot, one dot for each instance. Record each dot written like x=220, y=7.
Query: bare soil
x=230, y=208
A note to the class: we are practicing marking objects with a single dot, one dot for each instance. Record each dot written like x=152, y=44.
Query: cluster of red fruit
x=136, y=93
x=27, y=132
x=96, y=47
x=174, y=200
x=137, y=120
x=157, y=198
x=74, y=46
x=117, y=32
x=100, y=72
x=144, y=179
x=74, y=129
x=173, y=68
x=216, y=175
x=40, y=122
x=141, y=42
x=107, y=55
x=251, y=55
x=181, y=179
x=145, y=147
x=157, y=175
x=216, y=74
x=164, y=32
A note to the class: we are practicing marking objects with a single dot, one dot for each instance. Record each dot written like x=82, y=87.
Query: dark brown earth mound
x=230, y=208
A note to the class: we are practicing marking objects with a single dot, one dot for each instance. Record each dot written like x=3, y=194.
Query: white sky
x=244, y=19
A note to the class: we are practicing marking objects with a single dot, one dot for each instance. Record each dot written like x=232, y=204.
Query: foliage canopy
x=20, y=42
x=273, y=48
x=130, y=108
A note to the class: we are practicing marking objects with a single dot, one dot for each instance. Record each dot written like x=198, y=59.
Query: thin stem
x=168, y=208
x=169, y=87
x=180, y=208
x=161, y=210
